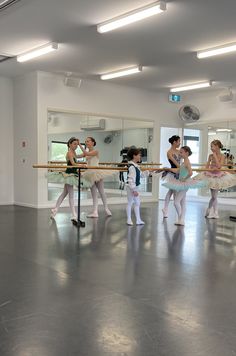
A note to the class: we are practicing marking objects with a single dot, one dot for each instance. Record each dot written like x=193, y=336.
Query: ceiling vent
x=6, y=3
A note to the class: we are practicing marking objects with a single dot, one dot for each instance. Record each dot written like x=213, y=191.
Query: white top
x=131, y=181
x=92, y=160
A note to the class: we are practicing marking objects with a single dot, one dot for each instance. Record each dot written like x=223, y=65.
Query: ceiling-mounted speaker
x=226, y=95
x=71, y=81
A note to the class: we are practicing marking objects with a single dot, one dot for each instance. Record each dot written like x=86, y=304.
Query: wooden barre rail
x=141, y=164
x=83, y=166
x=110, y=163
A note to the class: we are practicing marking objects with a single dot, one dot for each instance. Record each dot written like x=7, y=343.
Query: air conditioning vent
x=93, y=124
x=6, y=3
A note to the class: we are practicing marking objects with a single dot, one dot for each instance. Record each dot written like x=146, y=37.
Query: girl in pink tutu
x=181, y=185
x=216, y=179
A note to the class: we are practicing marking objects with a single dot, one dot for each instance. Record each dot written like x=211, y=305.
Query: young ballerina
x=181, y=185
x=69, y=178
x=174, y=160
x=133, y=182
x=94, y=178
x=216, y=180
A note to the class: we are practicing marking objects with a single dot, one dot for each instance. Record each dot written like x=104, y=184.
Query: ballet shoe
x=74, y=218
x=93, y=215
x=140, y=222
x=130, y=222
x=108, y=212
x=53, y=213
x=164, y=212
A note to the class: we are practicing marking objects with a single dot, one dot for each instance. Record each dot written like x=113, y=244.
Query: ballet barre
x=79, y=167
x=84, y=167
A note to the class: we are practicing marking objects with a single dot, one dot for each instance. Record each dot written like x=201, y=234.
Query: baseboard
x=87, y=202
x=7, y=203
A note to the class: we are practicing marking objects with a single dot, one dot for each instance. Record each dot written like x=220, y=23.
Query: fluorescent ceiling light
x=217, y=51
x=132, y=16
x=191, y=87
x=121, y=73
x=49, y=47
x=224, y=130
x=211, y=133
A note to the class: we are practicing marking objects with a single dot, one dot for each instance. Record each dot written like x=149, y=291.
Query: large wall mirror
x=113, y=137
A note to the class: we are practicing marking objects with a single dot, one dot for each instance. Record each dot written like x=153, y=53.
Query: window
x=59, y=150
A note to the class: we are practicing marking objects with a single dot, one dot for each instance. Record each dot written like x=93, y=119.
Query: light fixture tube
x=217, y=51
x=191, y=87
x=132, y=16
x=212, y=133
x=224, y=130
x=121, y=73
x=49, y=47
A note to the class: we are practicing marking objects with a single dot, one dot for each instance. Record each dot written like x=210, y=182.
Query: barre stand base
x=232, y=218
x=78, y=223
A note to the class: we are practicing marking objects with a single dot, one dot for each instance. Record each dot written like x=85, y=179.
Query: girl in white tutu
x=69, y=178
x=216, y=179
x=182, y=184
x=94, y=178
x=174, y=160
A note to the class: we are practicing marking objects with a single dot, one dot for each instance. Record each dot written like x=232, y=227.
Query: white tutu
x=90, y=175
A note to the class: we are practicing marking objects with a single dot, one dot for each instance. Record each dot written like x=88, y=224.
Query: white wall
x=100, y=98
x=25, y=130
x=35, y=93
x=211, y=109
x=6, y=141
x=213, y=112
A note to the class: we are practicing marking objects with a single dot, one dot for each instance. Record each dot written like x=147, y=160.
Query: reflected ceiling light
x=211, y=133
x=121, y=73
x=191, y=87
x=224, y=130
x=132, y=16
x=49, y=47
x=217, y=51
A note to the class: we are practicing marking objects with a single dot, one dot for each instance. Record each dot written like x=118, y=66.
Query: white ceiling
x=164, y=44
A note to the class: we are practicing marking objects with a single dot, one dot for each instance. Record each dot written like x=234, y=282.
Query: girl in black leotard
x=174, y=159
x=70, y=179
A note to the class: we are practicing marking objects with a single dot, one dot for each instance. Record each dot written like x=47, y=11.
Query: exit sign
x=174, y=98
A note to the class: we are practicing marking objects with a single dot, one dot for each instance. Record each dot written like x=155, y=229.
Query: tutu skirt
x=90, y=176
x=62, y=178
x=178, y=185
x=217, y=180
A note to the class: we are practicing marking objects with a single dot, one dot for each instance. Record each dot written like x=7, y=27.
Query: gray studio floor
x=109, y=289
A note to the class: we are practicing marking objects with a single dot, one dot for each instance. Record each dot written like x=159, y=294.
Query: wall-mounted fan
x=189, y=113
x=108, y=139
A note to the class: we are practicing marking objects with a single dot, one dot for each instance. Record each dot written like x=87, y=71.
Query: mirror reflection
x=113, y=138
